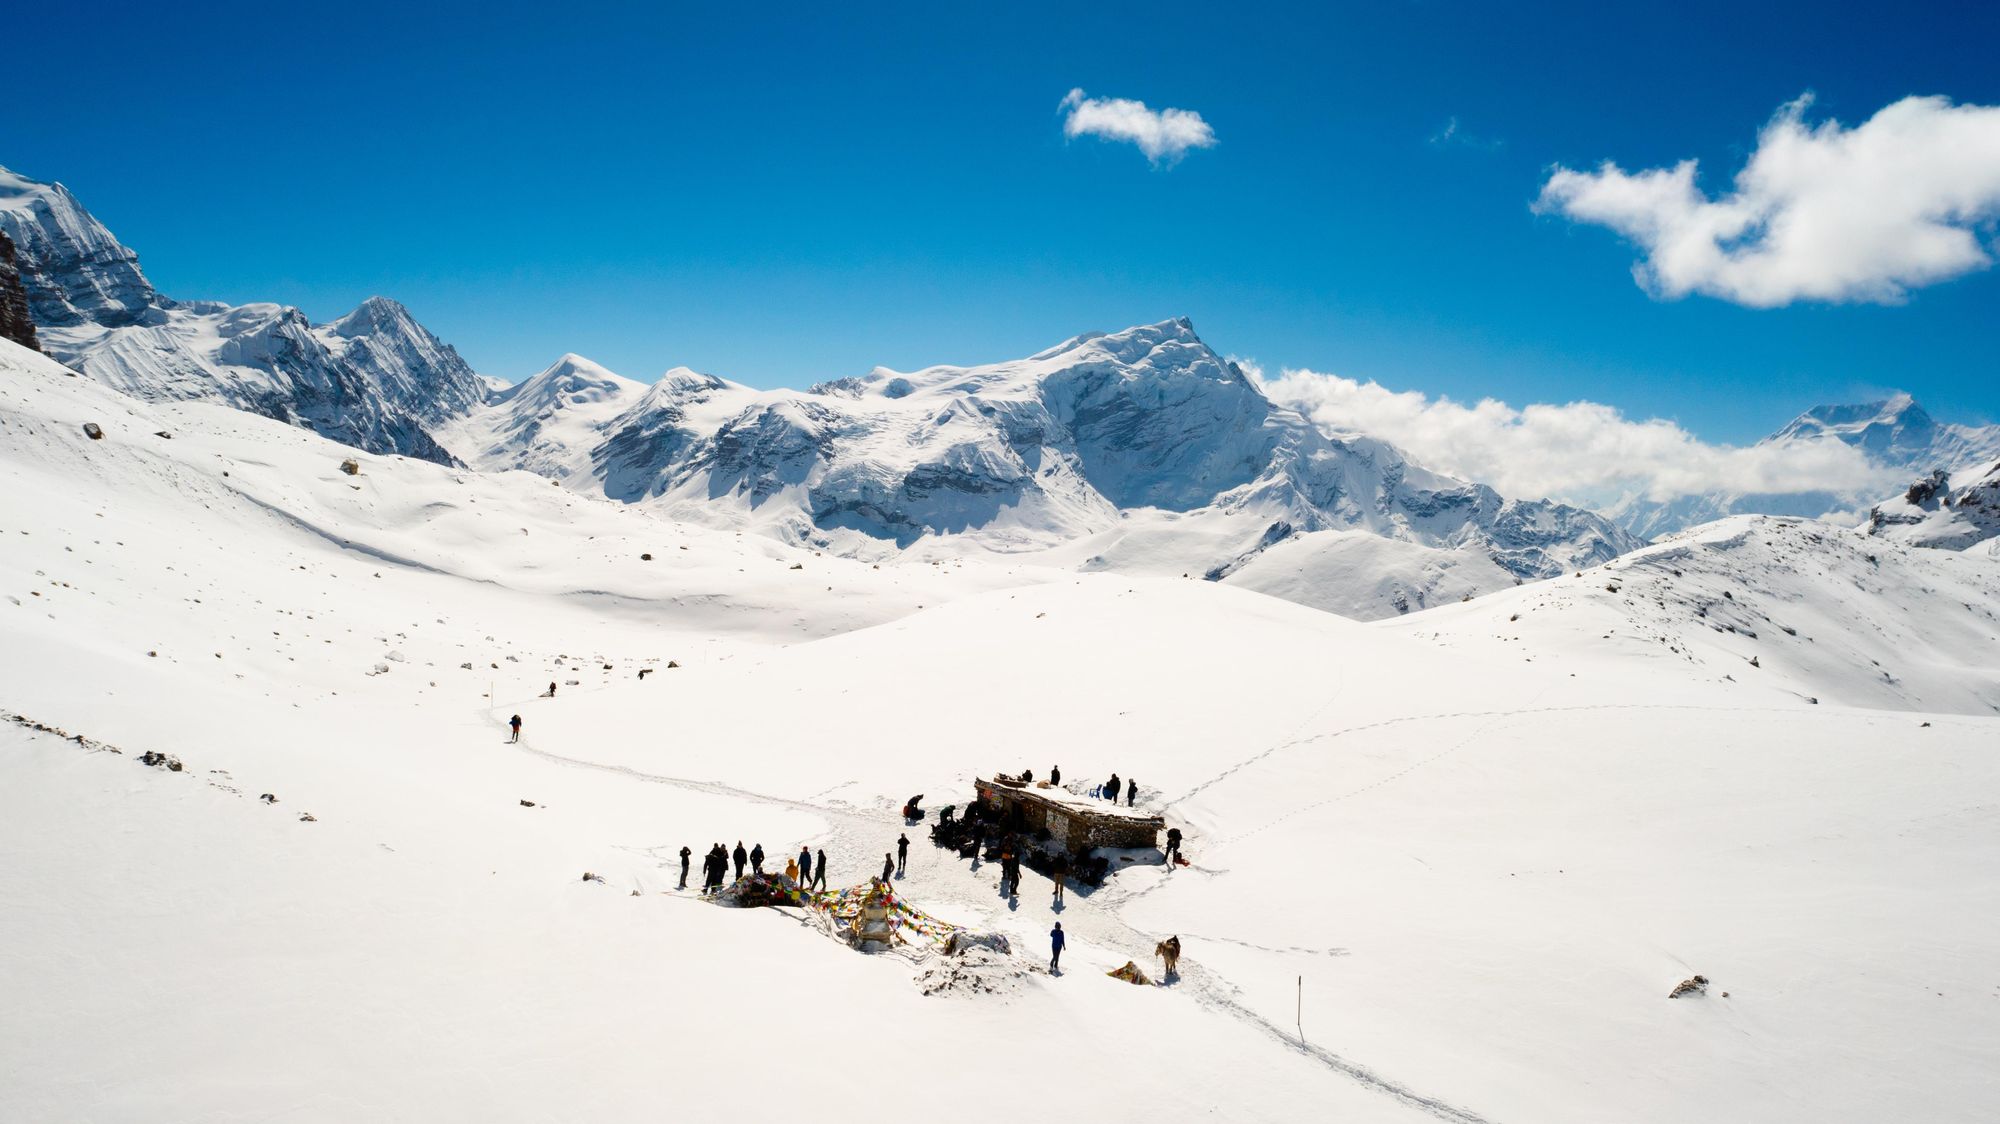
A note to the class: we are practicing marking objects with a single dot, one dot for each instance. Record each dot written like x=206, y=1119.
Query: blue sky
x=810, y=192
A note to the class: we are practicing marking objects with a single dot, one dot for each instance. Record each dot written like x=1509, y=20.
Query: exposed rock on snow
x=1947, y=511
x=1694, y=985
x=15, y=321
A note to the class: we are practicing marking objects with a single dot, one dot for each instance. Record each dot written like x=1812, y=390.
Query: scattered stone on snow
x=1693, y=985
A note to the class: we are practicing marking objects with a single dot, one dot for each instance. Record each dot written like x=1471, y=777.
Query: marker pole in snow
x=1302, y=1010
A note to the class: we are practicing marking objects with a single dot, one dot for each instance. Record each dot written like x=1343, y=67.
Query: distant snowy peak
x=1896, y=432
x=569, y=381
x=1896, y=435
x=548, y=423
x=375, y=378
x=89, y=276
x=414, y=371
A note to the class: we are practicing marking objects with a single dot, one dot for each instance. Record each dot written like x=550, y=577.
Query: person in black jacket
x=684, y=867
x=742, y=856
x=1111, y=789
x=1055, y=776
x=1056, y=943
x=1173, y=844
x=903, y=852
x=805, y=866
x=819, y=871
x=1131, y=793
x=1059, y=870
x=888, y=866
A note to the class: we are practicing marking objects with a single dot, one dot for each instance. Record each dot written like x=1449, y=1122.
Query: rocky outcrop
x=1944, y=511
x=16, y=323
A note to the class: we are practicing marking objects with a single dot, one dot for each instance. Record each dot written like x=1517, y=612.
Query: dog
x=1169, y=950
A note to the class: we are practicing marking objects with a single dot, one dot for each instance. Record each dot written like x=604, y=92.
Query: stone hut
x=1078, y=823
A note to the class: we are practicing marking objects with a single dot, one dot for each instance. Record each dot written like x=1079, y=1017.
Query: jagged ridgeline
x=1141, y=450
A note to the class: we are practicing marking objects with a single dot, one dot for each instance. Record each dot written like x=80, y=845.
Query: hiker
x=552, y=688
x=1058, y=871
x=757, y=860
x=792, y=871
x=741, y=856
x=1027, y=776
x=514, y=724
x=684, y=866
x=819, y=871
x=1173, y=845
x=903, y=852
x=1111, y=789
x=1055, y=948
x=1055, y=776
x=888, y=866
x=1131, y=793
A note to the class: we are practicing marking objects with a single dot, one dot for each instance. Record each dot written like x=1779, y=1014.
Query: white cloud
x=1584, y=453
x=1163, y=135
x=1820, y=212
x=1454, y=135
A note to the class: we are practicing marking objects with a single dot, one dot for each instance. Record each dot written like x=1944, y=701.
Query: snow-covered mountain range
x=1134, y=450
x=1141, y=450
x=1896, y=434
x=374, y=379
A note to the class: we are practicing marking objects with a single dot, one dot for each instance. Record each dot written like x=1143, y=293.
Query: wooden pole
x=1302, y=1010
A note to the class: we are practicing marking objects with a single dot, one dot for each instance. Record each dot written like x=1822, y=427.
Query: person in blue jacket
x=1056, y=947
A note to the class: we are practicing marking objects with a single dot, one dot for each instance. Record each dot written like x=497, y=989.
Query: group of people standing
x=715, y=866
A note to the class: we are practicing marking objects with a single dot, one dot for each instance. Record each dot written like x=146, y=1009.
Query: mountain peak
x=74, y=271
x=373, y=315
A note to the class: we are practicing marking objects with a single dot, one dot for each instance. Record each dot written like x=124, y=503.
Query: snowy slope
x=1828, y=614
x=1488, y=859
x=374, y=379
